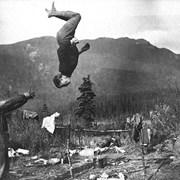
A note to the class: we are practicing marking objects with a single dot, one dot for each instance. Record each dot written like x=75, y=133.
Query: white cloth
x=49, y=122
x=29, y=114
x=22, y=151
x=149, y=134
x=11, y=152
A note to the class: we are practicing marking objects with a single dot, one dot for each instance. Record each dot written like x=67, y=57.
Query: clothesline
x=88, y=130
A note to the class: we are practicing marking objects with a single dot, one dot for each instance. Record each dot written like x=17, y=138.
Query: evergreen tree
x=86, y=109
x=45, y=110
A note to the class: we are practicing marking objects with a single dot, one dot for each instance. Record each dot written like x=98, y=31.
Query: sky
x=157, y=21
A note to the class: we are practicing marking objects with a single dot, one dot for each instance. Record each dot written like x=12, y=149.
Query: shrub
x=164, y=123
x=27, y=134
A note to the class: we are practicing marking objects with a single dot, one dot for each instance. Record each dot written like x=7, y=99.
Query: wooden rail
x=91, y=130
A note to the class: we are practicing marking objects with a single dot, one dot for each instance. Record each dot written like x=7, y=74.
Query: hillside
x=115, y=65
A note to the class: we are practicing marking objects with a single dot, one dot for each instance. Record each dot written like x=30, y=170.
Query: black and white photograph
x=90, y=90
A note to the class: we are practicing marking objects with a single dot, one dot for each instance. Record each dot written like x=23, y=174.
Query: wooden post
x=68, y=154
x=79, y=134
x=142, y=152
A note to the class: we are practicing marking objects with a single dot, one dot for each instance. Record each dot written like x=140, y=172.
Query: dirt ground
x=159, y=166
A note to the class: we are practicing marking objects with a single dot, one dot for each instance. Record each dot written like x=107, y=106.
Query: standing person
x=68, y=53
x=7, y=106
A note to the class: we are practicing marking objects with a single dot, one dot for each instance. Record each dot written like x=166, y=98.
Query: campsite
x=89, y=90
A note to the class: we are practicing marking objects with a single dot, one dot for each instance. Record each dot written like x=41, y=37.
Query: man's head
x=57, y=80
x=61, y=81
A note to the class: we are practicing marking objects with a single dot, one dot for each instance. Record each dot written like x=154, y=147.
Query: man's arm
x=16, y=102
x=84, y=48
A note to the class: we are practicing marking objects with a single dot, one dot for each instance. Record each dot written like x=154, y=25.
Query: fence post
x=68, y=154
x=142, y=151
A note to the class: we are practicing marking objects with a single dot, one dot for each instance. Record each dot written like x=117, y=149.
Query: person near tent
x=68, y=52
x=7, y=106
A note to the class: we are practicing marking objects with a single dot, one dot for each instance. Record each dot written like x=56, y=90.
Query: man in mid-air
x=68, y=53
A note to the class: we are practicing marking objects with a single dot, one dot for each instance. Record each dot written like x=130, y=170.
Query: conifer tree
x=45, y=109
x=86, y=109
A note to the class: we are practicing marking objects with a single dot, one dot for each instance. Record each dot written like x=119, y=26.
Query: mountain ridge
x=115, y=66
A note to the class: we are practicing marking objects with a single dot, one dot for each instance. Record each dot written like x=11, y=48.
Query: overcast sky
x=157, y=21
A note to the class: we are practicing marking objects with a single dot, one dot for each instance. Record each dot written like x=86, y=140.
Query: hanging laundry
x=29, y=114
x=146, y=133
x=137, y=128
x=49, y=122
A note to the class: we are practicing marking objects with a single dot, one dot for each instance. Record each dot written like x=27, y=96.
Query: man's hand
x=74, y=41
x=29, y=95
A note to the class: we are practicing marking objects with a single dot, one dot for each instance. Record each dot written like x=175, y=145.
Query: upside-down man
x=68, y=53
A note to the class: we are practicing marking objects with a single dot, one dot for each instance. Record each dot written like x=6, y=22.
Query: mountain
x=115, y=66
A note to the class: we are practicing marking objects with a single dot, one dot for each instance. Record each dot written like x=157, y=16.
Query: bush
x=164, y=123
x=27, y=134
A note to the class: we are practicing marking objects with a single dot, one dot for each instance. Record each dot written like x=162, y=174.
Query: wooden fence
x=79, y=136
